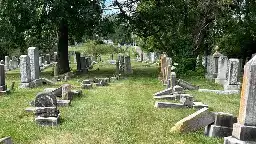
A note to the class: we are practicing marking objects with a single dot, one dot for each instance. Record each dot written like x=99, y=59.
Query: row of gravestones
x=84, y=63
x=223, y=71
x=150, y=57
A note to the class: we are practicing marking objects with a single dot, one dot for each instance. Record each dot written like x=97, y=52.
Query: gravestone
x=83, y=64
x=2, y=62
x=55, y=56
x=216, y=56
x=152, y=57
x=222, y=70
x=25, y=71
x=45, y=99
x=117, y=67
x=86, y=84
x=48, y=58
x=6, y=63
x=128, y=67
x=78, y=61
x=3, y=87
x=210, y=68
x=11, y=65
x=56, y=69
x=66, y=89
x=40, y=61
x=33, y=54
x=232, y=82
x=244, y=131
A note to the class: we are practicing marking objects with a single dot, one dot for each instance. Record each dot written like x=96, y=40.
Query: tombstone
x=47, y=58
x=128, y=67
x=204, y=61
x=40, y=61
x=55, y=56
x=163, y=66
x=172, y=80
x=33, y=54
x=11, y=65
x=3, y=87
x=83, y=64
x=210, y=68
x=152, y=57
x=74, y=57
x=25, y=71
x=66, y=89
x=244, y=131
x=168, y=69
x=216, y=56
x=78, y=61
x=86, y=84
x=45, y=99
x=56, y=69
x=2, y=62
x=232, y=82
x=222, y=70
x=7, y=63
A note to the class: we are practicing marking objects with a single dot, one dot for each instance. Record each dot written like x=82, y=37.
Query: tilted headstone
x=222, y=70
x=244, y=131
x=3, y=87
x=45, y=99
x=232, y=82
x=33, y=54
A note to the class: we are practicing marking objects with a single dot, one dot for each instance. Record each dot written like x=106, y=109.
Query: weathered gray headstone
x=128, y=67
x=222, y=70
x=6, y=63
x=244, y=131
x=33, y=54
x=78, y=61
x=55, y=56
x=25, y=71
x=66, y=89
x=232, y=82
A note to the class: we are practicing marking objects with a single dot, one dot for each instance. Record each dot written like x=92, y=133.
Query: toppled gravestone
x=101, y=81
x=6, y=140
x=86, y=84
x=195, y=121
x=187, y=85
x=46, y=113
x=222, y=126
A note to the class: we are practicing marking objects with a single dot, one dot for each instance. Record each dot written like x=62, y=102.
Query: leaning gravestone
x=244, y=131
x=25, y=71
x=232, y=82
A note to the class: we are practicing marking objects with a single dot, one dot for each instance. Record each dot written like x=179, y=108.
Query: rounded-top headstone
x=45, y=99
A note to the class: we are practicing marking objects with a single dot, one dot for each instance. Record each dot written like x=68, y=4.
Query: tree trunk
x=63, y=62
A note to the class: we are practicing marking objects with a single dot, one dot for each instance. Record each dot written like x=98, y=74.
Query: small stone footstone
x=168, y=105
x=164, y=92
x=186, y=100
x=195, y=121
x=66, y=89
x=178, y=89
x=45, y=100
x=187, y=85
x=6, y=140
x=46, y=112
x=199, y=105
x=222, y=127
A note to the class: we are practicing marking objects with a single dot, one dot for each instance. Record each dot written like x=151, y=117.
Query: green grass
x=120, y=113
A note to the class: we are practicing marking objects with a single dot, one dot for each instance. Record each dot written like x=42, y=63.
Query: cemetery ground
x=123, y=112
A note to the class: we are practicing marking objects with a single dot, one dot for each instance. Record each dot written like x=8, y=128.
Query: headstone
x=128, y=67
x=66, y=89
x=55, y=56
x=222, y=70
x=152, y=57
x=216, y=56
x=25, y=71
x=187, y=85
x=2, y=62
x=45, y=99
x=6, y=63
x=244, y=131
x=3, y=87
x=48, y=58
x=195, y=121
x=232, y=82
x=210, y=68
x=40, y=61
x=78, y=61
x=33, y=54
x=56, y=69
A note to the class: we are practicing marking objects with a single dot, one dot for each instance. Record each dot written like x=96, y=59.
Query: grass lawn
x=120, y=113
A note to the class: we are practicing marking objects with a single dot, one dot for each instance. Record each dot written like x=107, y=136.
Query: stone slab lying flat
x=168, y=105
x=164, y=92
x=199, y=105
x=47, y=121
x=195, y=121
x=168, y=97
x=6, y=140
x=221, y=92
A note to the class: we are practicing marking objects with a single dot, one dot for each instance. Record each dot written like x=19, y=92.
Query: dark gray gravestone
x=45, y=100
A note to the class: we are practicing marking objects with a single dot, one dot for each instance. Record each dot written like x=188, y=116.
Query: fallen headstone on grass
x=195, y=121
x=220, y=92
x=187, y=85
x=6, y=140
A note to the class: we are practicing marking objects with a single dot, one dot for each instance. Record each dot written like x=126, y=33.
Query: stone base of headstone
x=167, y=97
x=26, y=85
x=3, y=88
x=6, y=140
x=221, y=92
x=243, y=132
x=48, y=121
x=63, y=103
x=233, y=140
x=232, y=87
x=218, y=131
x=199, y=105
x=86, y=86
x=220, y=81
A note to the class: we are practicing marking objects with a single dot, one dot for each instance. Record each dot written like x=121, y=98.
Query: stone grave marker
x=25, y=71
x=222, y=70
x=33, y=54
x=232, y=82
